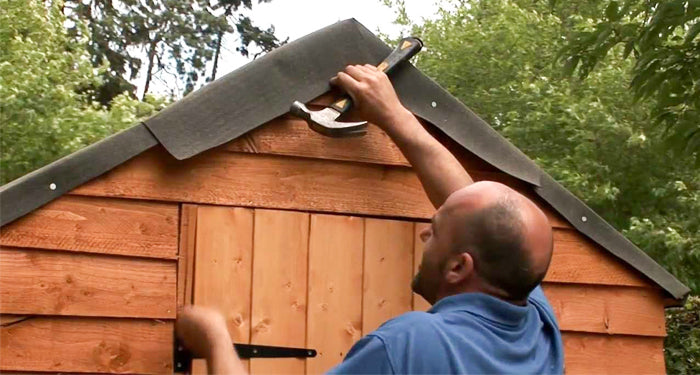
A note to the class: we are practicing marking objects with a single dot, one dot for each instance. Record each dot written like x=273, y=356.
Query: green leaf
x=612, y=11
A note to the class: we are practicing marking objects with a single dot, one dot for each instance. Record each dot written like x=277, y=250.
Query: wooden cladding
x=278, y=182
x=68, y=344
x=60, y=283
x=97, y=225
x=323, y=281
x=92, y=284
x=618, y=354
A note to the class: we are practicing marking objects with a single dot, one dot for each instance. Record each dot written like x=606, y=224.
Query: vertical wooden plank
x=334, y=319
x=280, y=260
x=419, y=303
x=222, y=278
x=388, y=268
x=185, y=258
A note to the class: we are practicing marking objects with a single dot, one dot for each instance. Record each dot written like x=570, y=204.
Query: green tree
x=157, y=35
x=42, y=70
x=663, y=38
x=499, y=58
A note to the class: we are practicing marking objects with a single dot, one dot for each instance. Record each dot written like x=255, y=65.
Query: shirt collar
x=483, y=305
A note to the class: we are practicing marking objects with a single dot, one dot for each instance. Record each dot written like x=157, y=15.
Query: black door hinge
x=183, y=357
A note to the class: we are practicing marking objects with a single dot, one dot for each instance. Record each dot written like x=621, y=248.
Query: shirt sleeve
x=367, y=356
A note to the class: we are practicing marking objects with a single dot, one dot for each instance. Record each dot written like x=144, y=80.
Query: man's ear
x=459, y=268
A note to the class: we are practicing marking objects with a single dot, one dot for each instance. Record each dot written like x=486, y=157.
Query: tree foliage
x=663, y=38
x=42, y=70
x=161, y=35
x=499, y=58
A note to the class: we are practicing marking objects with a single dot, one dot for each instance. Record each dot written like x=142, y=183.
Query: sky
x=295, y=18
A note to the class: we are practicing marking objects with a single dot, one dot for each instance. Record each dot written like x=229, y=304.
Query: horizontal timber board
x=612, y=354
x=61, y=283
x=607, y=309
x=291, y=136
x=98, y=225
x=580, y=260
x=92, y=345
x=270, y=181
x=287, y=135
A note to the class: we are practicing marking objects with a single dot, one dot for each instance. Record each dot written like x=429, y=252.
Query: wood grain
x=186, y=252
x=577, y=259
x=419, y=303
x=280, y=261
x=607, y=309
x=109, y=226
x=280, y=182
x=61, y=283
x=334, y=320
x=293, y=137
x=67, y=344
x=616, y=354
x=388, y=271
x=224, y=260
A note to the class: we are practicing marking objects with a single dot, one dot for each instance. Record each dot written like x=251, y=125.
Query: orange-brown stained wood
x=293, y=137
x=388, y=271
x=107, y=226
x=224, y=257
x=607, y=309
x=334, y=320
x=186, y=252
x=280, y=182
x=280, y=260
x=61, y=283
x=68, y=344
x=577, y=259
x=612, y=354
x=419, y=303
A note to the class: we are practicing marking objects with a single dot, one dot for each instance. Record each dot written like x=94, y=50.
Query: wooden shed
x=224, y=200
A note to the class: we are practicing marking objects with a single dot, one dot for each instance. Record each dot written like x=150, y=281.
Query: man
x=486, y=252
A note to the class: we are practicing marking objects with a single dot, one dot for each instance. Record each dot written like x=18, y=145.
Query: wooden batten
x=186, y=254
x=98, y=225
x=92, y=345
x=61, y=283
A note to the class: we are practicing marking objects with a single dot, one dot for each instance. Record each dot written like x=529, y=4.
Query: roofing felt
x=264, y=89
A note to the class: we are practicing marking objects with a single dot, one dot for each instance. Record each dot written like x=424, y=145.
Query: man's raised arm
x=375, y=99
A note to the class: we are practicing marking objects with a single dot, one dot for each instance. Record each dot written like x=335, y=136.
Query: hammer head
x=324, y=121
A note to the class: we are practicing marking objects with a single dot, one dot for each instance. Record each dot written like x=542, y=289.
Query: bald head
x=508, y=236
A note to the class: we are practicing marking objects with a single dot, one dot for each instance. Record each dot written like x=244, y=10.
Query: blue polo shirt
x=466, y=333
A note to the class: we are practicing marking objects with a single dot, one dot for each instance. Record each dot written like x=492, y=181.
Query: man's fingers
x=347, y=83
x=356, y=72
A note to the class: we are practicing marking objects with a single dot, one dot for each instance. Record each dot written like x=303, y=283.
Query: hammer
x=325, y=121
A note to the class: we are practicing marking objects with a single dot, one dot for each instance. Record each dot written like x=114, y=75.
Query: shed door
x=299, y=279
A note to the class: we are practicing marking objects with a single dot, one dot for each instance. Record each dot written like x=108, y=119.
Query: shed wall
x=90, y=282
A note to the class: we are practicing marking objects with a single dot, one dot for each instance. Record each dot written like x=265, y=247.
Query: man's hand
x=201, y=329
x=376, y=101
x=373, y=95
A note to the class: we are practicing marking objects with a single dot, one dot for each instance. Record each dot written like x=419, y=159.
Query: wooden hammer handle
x=406, y=49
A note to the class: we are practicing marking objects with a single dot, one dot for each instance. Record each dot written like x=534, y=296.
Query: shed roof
x=264, y=89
